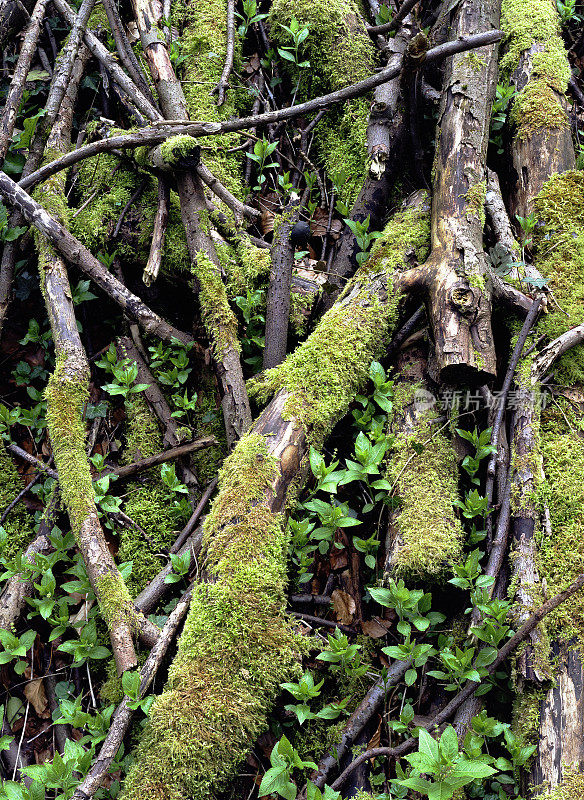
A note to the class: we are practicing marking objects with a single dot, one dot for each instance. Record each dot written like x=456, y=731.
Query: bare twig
x=162, y=458
x=223, y=84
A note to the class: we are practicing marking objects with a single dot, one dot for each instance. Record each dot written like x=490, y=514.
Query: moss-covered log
x=237, y=645
x=218, y=317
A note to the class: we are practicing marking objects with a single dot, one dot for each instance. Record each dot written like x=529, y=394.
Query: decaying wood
x=185, y=126
x=278, y=300
x=459, y=301
x=154, y=262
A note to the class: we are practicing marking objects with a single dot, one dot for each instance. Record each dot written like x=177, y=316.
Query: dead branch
x=16, y=90
x=223, y=84
x=123, y=715
x=153, y=136
x=154, y=262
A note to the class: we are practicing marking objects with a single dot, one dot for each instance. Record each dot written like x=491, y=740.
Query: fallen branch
x=75, y=253
x=123, y=715
x=166, y=128
x=161, y=458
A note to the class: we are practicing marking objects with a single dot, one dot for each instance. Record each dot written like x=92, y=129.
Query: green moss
x=526, y=715
x=338, y=46
x=571, y=787
x=324, y=373
x=428, y=534
x=528, y=23
x=407, y=230
x=220, y=321
x=250, y=265
x=559, y=241
x=66, y=397
x=177, y=147
x=114, y=600
x=536, y=107
x=236, y=647
x=475, y=197
x=340, y=53
x=110, y=187
x=561, y=555
x=19, y=523
x=300, y=306
x=539, y=104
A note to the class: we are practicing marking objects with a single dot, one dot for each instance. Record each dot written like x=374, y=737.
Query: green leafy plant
x=125, y=373
x=15, y=648
x=262, y=150
x=567, y=11
x=483, y=448
x=363, y=236
x=249, y=17
x=131, y=686
x=180, y=567
x=447, y=769
x=8, y=234
x=85, y=646
x=284, y=759
x=342, y=656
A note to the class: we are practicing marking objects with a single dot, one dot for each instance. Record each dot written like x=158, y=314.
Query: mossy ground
x=19, y=523
x=340, y=53
x=236, y=647
x=145, y=501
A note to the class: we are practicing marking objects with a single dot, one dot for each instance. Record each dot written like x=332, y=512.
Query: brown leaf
x=35, y=694
x=374, y=628
x=375, y=740
x=344, y=606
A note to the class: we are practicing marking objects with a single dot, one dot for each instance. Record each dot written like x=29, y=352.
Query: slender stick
x=103, y=55
x=156, y=135
x=161, y=458
x=189, y=527
x=516, y=355
x=223, y=84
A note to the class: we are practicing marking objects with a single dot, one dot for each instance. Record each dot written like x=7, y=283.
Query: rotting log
x=237, y=645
